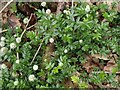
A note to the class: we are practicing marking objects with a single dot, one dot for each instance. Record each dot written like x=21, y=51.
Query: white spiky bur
x=87, y=9
x=12, y=45
x=60, y=64
x=35, y=67
x=43, y=4
x=2, y=43
x=65, y=51
x=48, y=11
x=66, y=12
x=51, y=40
x=2, y=38
x=3, y=66
x=31, y=77
x=16, y=82
x=18, y=39
x=81, y=41
x=17, y=61
x=3, y=51
x=25, y=20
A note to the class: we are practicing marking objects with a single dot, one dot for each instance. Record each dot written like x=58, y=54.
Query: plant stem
x=3, y=31
x=26, y=25
x=37, y=52
x=6, y=5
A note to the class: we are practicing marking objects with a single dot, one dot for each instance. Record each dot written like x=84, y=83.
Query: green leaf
x=83, y=85
x=55, y=69
x=31, y=35
x=13, y=7
x=75, y=79
x=67, y=38
x=97, y=36
x=85, y=48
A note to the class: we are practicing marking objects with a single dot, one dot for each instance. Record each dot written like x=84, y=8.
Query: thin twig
x=7, y=29
x=6, y=5
x=26, y=26
x=3, y=31
x=31, y=26
x=105, y=72
x=37, y=52
x=17, y=56
x=72, y=3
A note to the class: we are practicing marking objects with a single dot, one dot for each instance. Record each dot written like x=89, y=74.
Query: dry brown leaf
x=100, y=56
x=116, y=78
x=76, y=73
x=4, y=17
x=111, y=63
x=89, y=68
x=69, y=84
x=86, y=64
x=13, y=21
x=118, y=7
x=109, y=68
x=8, y=64
x=60, y=7
x=49, y=51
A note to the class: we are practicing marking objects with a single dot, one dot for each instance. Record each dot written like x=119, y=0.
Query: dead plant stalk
x=6, y=6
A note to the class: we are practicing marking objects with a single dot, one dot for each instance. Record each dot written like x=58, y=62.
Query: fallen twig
x=17, y=56
x=118, y=73
x=37, y=52
x=7, y=29
x=72, y=3
x=26, y=26
x=3, y=31
x=6, y=5
x=31, y=27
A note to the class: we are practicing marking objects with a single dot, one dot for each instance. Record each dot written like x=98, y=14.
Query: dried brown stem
x=3, y=31
x=6, y=5
x=26, y=25
x=37, y=52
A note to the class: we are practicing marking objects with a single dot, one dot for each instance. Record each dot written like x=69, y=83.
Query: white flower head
x=87, y=9
x=65, y=51
x=18, y=40
x=14, y=74
x=3, y=66
x=31, y=77
x=51, y=40
x=0, y=29
x=2, y=38
x=87, y=15
x=16, y=82
x=17, y=27
x=95, y=30
x=60, y=64
x=48, y=11
x=66, y=12
x=17, y=61
x=35, y=67
x=3, y=51
x=97, y=13
x=45, y=60
x=2, y=43
x=25, y=20
x=12, y=45
x=15, y=35
x=80, y=41
x=43, y=4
